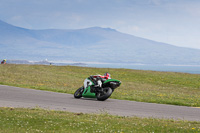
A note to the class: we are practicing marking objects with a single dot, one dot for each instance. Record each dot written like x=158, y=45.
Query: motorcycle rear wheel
x=107, y=91
x=79, y=92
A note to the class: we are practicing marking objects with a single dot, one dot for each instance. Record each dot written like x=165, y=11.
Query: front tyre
x=79, y=92
x=102, y=96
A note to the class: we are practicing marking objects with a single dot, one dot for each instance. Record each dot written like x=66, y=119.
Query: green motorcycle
x=103, y=92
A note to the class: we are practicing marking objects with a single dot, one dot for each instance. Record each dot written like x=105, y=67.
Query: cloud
x=75, y=18
x=155, y=2
x=128, y=28
x=17, y=18
x=193, y=10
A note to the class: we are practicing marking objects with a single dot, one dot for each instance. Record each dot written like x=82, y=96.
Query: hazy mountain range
x=93, y=44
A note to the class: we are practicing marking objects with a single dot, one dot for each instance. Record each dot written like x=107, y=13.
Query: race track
x=29, y=98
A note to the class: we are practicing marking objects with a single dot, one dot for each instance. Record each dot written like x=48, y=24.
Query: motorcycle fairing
x=87, y=89
x=113, y=83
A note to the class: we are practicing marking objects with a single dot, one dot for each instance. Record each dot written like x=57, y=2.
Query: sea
x=193, y=69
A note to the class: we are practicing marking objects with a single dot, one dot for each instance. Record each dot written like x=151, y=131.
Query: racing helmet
x=107, y=75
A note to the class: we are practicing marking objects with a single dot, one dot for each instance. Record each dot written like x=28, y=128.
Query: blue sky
x=175, y=22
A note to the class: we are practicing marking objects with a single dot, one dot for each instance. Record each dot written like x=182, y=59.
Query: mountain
x=93, y=44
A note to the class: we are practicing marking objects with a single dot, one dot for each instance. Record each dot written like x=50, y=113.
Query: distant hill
x=93, y=44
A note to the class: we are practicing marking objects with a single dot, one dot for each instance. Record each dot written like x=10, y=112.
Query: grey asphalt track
x=29, y=98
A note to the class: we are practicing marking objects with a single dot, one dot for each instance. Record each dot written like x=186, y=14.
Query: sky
x=175, y=22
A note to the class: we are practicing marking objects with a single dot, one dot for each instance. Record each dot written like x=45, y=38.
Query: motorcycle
x=102, y=92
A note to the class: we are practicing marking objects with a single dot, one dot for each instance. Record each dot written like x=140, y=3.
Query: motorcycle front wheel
x=79, y=92
x=102, y=96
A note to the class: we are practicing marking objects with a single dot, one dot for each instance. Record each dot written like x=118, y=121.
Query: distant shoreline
x=192, y=69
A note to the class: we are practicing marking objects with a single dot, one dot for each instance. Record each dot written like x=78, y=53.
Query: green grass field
x=15, y=120
x=145, y=86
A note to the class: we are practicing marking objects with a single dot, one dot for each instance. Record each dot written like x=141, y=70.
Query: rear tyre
x=79, y=92
x=102, y=96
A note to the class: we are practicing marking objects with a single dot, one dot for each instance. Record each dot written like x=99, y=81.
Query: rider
x=98, y=79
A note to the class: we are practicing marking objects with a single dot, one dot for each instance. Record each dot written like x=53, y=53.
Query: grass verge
x=145, y=86
x=37, y=120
